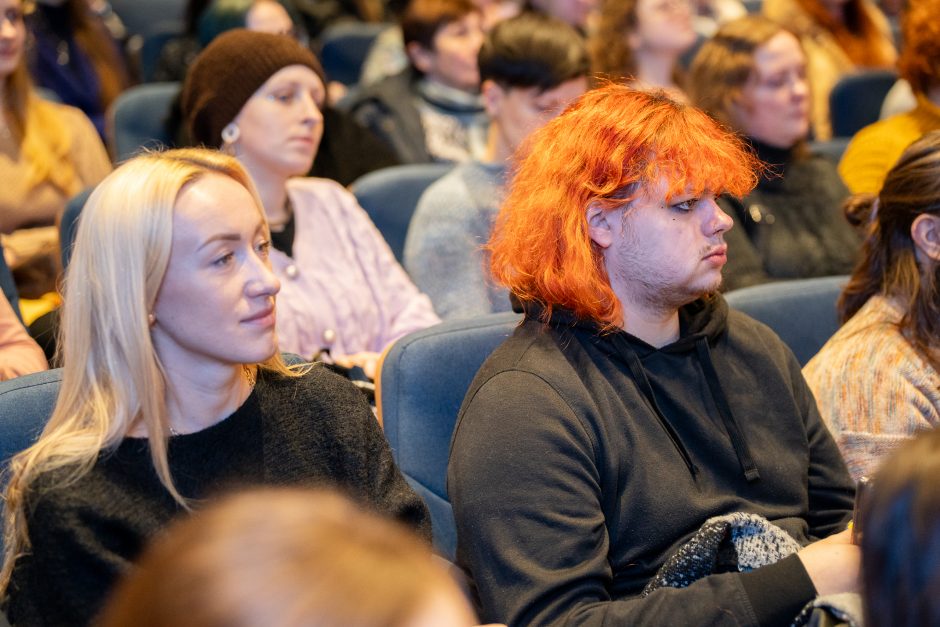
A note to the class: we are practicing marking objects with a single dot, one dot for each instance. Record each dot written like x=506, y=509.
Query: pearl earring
x=231, y=133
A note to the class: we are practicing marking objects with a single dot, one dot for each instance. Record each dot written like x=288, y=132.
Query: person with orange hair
x=636, y=453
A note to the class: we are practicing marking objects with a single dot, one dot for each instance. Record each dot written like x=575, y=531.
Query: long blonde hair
x=112, y=379
x=37, y=126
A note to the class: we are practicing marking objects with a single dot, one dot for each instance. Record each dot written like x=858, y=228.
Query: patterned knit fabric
x=876, y=148
x=873, y=389
x=738, y=541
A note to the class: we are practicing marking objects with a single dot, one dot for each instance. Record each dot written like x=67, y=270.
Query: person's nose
x=718, y=222
x=261, y=280
x=7, y=28
x=311, y=110
x=800, y=88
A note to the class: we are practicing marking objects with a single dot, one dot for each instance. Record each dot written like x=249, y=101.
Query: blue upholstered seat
x=138, y=116
x=855, y=100
x=801, y=311
x=390, y=196
x=422, y=382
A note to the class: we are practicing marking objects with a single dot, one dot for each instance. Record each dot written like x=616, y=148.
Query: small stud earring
x=151, y=319
x=231, y=133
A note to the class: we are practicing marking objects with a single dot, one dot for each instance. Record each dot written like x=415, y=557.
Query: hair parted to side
x=603, y=149
x=287, y=557
x=920, y=32
x=888, y=264
x=112, y=379
x=901, y=540
x=533, y=50
x=423, y=18
x=725, y=63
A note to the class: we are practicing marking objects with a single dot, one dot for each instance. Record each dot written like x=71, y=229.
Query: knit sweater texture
x=444, y=249
x=791, y=225
x=581, y=461
x=342, y=288
x=876, y=148
x=316, y=430
x=873, y=388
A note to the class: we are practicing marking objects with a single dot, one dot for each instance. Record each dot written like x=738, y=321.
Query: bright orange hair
x=603, y=149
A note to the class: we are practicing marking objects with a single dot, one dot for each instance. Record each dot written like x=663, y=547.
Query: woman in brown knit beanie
x=258, y=97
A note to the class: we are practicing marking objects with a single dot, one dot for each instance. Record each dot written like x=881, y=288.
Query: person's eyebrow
x=228, y=237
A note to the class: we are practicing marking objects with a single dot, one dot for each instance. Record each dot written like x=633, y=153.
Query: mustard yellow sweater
x=876, y=148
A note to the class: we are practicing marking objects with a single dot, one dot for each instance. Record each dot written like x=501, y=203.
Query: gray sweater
x=443, y=252
x=316, y=430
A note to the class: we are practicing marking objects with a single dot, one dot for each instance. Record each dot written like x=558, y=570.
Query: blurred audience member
x=752, y=76
x=708, y=15
x=581, y=14
x=288, y=557
x=876, y=148
x=48, y=153
x=173, y=389
x=840, y=37
x=387, y=54
x=258, y=96
x=531, y=66
x=900, y=522
x=877, y=380
x=347, y=150
x=19, y=353
x=205, y=19
x=431, y=111
x=73, y=54
x=640, y=42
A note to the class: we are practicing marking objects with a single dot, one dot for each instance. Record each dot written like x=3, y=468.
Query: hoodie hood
x=701, y=323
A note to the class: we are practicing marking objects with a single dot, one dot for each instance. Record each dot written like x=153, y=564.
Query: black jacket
x=791, y=226
x=582, y=460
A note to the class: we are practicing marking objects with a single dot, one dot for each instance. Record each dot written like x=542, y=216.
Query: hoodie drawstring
x=738, y=441
x=639, y=375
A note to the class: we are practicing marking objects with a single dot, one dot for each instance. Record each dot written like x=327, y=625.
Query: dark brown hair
x=93, y=38
x=423, y=18
x=856, y=33
x=888, y=264
x=901, y=540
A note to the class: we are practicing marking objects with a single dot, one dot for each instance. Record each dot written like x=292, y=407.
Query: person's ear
x=600, y=224
x=421, y=57
x=925, y=231
x=493, y=96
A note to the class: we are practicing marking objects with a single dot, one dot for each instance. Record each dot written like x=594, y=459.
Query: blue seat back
x=68, y=227
x=137, y=118
x=802, y=311
x=855, y=101
x=25, y=405
x=141, y=17
x=422, y=382
x=390, y=196
x=344, y=47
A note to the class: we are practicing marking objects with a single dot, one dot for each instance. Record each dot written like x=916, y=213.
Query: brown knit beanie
x=226, y=74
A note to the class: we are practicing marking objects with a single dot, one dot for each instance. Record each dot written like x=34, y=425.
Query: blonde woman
x=281, y=557
x=48, y=151
x=172, y=389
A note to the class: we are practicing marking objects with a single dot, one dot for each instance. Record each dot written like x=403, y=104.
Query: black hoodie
x=582, y=460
